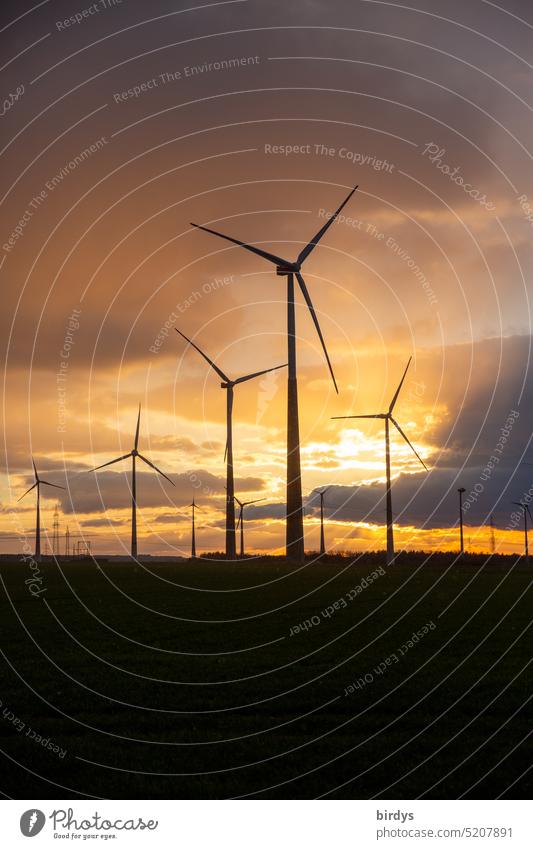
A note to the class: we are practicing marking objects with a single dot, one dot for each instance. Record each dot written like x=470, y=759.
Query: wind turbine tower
x=322, y=539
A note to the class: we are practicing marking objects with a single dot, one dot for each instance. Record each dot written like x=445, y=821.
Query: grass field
x=183, y=680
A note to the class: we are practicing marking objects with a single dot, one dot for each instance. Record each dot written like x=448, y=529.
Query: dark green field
x=180, y=680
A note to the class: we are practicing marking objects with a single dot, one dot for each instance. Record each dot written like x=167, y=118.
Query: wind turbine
x=388, y=418
x=461, y=492
x=526, y=511
x=322, y=542
x=134, y=453
x=193, y=537
x=229, y=385
x=240, y=520
x=285, y=268
x=38, y=483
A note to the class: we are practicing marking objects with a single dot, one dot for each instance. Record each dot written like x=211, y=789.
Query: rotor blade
x=367, y=416
x=391, y=408
x=395, y=397
x=237, y=500
x=52, y=484
x=255, y=501
x=137, y=429
x=308, y=248
x=149, y=463
x=258, y=373
x=398, y=428
x=211, y=363
x=277, y=260
x=309, y=303
x=529, y=511
x=28, y=490
x=124, y=457
x=517, y=504
x=35, y=469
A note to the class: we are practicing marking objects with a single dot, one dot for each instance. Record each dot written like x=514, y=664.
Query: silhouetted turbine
x=322, y=541
x=228, y=385
x=526, y=511
x=284, y=268
x=240, y=520
x=389, y=418
x=193, y=537
x=461, y=491
x=38, y=483
x=134, y=454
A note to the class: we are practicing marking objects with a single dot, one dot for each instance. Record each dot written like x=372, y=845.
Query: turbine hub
x=134, y=453
x=289, y=268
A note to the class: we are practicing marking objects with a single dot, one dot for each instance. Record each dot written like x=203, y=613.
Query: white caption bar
x=265, y=824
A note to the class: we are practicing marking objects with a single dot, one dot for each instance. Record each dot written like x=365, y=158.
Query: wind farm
x=295, y=550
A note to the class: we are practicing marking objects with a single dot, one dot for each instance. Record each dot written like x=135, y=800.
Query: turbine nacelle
x=288, y=268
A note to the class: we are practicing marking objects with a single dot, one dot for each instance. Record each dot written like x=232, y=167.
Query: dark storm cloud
x=431, y=501
x=487, y=389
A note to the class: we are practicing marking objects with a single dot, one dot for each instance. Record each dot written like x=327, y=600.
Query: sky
x=125, y=122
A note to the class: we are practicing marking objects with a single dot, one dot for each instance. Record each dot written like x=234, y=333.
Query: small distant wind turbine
x=389, y=418
x=38, y=483
x=492, y=537
x=526, y=511
x=322, y=541
x=134, y=453
x=229, y=385
x=285, y=268
x=240, y=520
x=461, y=492
x=193, y=537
